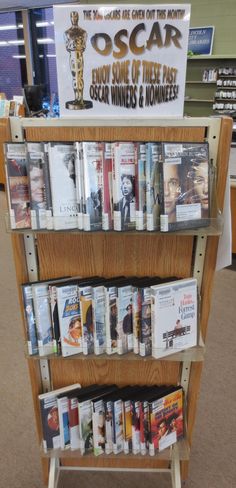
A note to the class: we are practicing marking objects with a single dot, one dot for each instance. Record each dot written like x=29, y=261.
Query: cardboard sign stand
x=52, y=254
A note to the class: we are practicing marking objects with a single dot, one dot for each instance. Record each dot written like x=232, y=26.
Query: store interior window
x=44, y=56
x=13, y=73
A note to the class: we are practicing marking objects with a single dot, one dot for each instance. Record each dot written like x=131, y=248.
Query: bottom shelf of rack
x=182, y=448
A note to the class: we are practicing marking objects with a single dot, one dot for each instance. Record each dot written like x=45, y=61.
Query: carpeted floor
x=212, y=463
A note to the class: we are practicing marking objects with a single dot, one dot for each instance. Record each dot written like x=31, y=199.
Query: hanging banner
x=121, y=60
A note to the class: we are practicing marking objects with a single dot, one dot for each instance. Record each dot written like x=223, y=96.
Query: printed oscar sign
x=121, y=60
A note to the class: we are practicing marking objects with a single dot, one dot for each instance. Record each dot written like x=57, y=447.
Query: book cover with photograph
x=124, y=319
x=50, y=417
x=31, y=334
x=153, y=157
x=145, y=344
x=37, y=186
x=184, y=185
x=69, y=319
x=174, y=316
x=48, y=192
x=123, y=169
x=86, y=310
x=166, y=420
x=98, y=418
x=17, y=182
x=63, y=185
x=140, y=185
x=107, y=204
x=93, y=185
x=42, y=311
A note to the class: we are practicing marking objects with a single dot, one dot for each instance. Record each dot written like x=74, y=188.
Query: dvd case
x=37, y=185
x=123, y=166
x=153, y=157
x=92, y=161
x=184, y=185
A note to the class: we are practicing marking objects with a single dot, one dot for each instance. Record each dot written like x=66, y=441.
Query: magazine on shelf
x=174, y=316
x=140, y=185
x=153, y=156
x=37, y=184
x=31, y=333
x=92, y=160
x=17, y=182
x=49, y=416
x=63, y=185
x=184, y=185
x=123, y=186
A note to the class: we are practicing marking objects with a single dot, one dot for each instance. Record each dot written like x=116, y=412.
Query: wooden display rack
x=45, y=255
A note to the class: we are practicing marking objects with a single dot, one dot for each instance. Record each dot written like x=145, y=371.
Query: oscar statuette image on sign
x=75, y=41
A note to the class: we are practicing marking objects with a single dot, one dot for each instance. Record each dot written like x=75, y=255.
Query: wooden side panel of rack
x=5, y=135
x=109, y=254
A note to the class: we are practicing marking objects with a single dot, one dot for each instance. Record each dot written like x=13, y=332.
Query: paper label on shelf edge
x=164, y=225
x=167, y=441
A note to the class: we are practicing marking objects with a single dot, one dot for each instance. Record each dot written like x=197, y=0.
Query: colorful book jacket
x=153, y=155
x=73, y=414
x=37, y=186
x=63, y=185
x=50, y=417
x=93, y=185
x=31, y=333
x=69, y=319
x=123, y=170
x=98, y=419
x=86, y=310
x=17, y=185
x=174, y=317
x=140, y=185
x=107, y=206
x=166, y=421
x=63, y=415
x=184, y=185
x=127, y=426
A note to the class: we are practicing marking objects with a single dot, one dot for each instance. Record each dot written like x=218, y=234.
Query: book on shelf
x=92, y=162
x=184, y=185
x=124, y=206
x=50, y=418
x=17, y=183
x=174, y=316
x=107, y=202
x=140, y=185
x=37, y=184
x=63, y=185
x=69, y=314
x=153, y=157
x=166, y=419
x=30, y=321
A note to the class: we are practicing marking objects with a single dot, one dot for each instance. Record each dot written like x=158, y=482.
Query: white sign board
x=121, y=60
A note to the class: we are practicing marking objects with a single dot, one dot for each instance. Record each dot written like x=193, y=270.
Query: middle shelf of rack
x=195, y=354
x=200, y=100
